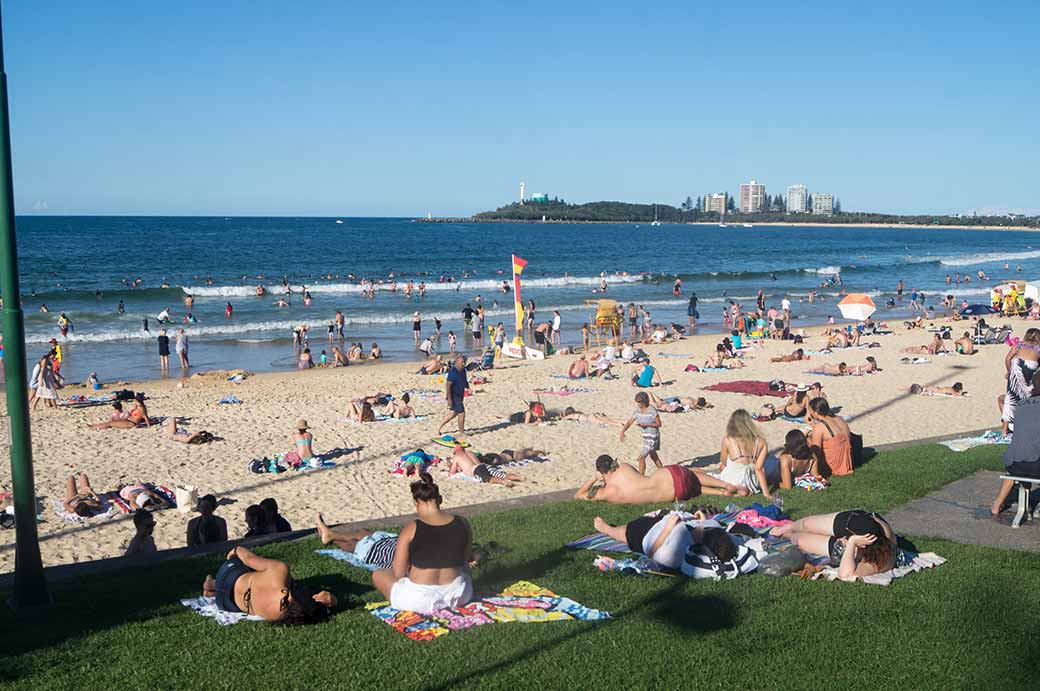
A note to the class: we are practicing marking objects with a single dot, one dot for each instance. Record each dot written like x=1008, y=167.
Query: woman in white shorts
x=431, y=562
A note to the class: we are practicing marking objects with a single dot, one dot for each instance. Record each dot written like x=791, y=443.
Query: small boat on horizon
x=338, y=221
x=748, y=225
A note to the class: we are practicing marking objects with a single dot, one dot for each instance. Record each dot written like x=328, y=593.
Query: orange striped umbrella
x=857, y=306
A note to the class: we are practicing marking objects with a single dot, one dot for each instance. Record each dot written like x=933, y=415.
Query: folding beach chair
x=487, y=360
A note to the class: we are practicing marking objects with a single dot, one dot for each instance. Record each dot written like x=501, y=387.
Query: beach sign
x=518, y=268
x=521, y=352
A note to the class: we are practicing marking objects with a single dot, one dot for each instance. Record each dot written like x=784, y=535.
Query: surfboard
x=521, y=352
x=449, y=441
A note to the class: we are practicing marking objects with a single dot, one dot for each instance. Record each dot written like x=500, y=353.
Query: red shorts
x=686, y=484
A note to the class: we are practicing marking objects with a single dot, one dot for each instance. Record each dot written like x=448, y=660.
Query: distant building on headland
x=715, y=202
x=539, y=197
x=797, y=199
x=822, y=204
x=752, y=198
x=521, y=193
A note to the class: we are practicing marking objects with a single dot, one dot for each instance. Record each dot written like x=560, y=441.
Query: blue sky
x=352, y=108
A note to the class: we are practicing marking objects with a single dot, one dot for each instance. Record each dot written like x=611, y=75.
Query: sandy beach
x=361, y=487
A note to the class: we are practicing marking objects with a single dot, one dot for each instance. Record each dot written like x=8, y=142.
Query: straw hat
x=801, y=388
x=301, y=424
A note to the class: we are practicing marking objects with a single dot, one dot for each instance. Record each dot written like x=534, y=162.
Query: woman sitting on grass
x=859, y=543
x=830, y=440
x=744, y=458
x=796, y=458
x=256, y=585
x=430, y=562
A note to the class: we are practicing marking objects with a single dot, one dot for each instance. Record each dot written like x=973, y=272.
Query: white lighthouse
x=521, y=194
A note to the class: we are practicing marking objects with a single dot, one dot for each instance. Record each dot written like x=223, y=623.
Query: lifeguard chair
x=605, y=323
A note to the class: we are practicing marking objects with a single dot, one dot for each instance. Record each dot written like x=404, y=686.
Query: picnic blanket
x=984, y=439
x=207, y=607
x=522, y=602
x=746, y=386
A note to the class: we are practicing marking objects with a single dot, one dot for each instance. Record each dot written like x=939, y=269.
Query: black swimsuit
x=228, y=574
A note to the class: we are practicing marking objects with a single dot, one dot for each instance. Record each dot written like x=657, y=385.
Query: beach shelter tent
x=857, y=306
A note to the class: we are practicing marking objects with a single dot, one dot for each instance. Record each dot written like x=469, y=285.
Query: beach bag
x=856, y=441
x=187, y=497
x=701, y=562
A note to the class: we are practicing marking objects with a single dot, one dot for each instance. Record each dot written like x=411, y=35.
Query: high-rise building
x=752, y=198
x=715, y=202
x=822, y=204
x=797, y=199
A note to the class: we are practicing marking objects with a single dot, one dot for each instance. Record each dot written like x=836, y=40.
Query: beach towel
x=230, y=399
x=570, y=391
x=600, y=543
x=281, y=462
x=640, y=566
x=522, y=602
x=384, y=418
x=675, y=355
x=413, y=463
x=747, y=387
x=349, y=557
x=109, y=510
x=811, y=482
x=80, y=401
x=567, y=376
x=120, y=503
x=907, y=564
x=425, y=393
x=791, y=418
x=207, y=607
x=984, y=439
x=695, y=368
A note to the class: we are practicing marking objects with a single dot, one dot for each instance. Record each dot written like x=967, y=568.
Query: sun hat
x=801, y=387
x=301, y=424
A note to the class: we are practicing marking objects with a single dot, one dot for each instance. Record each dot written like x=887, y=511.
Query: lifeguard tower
x=605, y=323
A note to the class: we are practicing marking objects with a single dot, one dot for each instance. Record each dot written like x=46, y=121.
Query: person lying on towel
x=620, y=483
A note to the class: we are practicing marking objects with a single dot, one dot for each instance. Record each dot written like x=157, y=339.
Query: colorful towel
x=695, y=368
x=570, y=391
x=425, y=393
x=385, y=418
x=522, y=602
x=349, y=557
x=812, y=482
x=120, y=503
x=281, y=462
x=207, y=607
x=600, y=543
x=640, y=566
x=985, y=439
x=747, y=387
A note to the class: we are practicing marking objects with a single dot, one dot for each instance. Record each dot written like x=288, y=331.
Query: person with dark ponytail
x=431, y=563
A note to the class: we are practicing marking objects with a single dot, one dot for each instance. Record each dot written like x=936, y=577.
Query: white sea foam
x=988, y=258
x=824, y=270
x=468, y=285
x=234, y=329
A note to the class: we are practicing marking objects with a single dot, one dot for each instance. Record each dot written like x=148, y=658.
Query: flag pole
x=30, y=586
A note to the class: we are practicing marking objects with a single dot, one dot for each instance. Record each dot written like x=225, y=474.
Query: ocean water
x=65, y=261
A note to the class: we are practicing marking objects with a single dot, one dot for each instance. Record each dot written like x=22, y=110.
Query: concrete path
x=960, y=512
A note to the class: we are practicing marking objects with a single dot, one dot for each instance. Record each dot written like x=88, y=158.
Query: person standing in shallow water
x=164, y=350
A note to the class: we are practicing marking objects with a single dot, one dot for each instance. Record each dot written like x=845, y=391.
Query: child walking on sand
x=649, y=422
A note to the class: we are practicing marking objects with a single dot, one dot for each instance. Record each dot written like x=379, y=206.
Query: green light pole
x=30, y=587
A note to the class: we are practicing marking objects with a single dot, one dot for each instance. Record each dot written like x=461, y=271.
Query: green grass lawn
x=971, y=623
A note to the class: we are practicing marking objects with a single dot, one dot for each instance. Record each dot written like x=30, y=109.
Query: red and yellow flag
x=518, y=268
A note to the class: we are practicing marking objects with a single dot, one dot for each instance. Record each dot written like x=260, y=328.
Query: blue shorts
x=456, y=404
